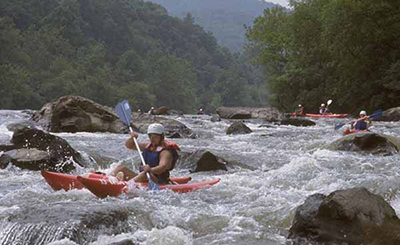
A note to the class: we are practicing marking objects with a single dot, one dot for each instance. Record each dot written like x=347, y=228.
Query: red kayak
x=327, y=115
x=348, y=131
x=59, y=181
x=112, y=187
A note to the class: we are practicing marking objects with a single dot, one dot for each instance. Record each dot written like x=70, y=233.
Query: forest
x=107, y=51
x=347, y=51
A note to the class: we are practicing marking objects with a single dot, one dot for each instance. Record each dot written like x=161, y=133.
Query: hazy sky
x=283, y=3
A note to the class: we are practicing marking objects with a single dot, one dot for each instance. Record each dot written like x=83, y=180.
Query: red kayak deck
x=111, y=187
x=327, y=115
x=60, y=181
x=348, y=131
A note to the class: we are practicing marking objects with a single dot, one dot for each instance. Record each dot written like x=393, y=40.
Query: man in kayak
x=159, y=155
x=200, y=112
x=323, y=109
x=299, y=111
x=152, y=111
x=362, y=123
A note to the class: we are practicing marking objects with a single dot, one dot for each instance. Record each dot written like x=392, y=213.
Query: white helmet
x=363, y=113
x=299, y=105
x=152, y=108
x=322, y=104
x=156, y=128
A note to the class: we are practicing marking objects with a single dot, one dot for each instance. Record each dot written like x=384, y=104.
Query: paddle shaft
x=140, y=152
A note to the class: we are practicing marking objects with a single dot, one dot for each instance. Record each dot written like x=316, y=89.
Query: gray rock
x=173, y=127
x=353, y=216
x=20, y=125
x=200, y=160
x=238, y=128
x=78, y=114
x=392, y=114
x=49, y=152
x=367, y=142
x=5, y=160
x=297, y=122
x=271, y=114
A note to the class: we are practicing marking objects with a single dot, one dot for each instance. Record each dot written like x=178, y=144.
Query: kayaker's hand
x=146, y=168
x=134, y=134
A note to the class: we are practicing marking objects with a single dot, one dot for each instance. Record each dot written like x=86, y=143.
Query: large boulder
x=34, y=149
x=78, y=114
x=367, y=142
x=238, y=128
x=201, y=160
x=174, y=128
x=353, y=216
x=268, y=113
x=392, y=114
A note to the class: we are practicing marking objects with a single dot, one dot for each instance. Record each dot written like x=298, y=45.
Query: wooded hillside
x=111, y=50
x=347, y=51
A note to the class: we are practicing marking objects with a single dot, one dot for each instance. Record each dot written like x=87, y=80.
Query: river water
x=246, y=207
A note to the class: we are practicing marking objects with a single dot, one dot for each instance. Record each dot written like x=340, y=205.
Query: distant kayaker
x=323, y=109
x=299, y=111
x=152, y=111
x=159, y=155
x=200, y=112
x=362, y=123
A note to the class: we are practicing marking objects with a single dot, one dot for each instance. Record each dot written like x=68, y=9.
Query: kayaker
x=200, y=112
x=152, y=111
x=159, y=155
x=299, y=111
x=323, y=109
x=362, y=123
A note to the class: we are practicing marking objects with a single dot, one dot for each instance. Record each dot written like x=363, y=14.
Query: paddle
x=327, y=105
x=375, y=114
x=125, y=114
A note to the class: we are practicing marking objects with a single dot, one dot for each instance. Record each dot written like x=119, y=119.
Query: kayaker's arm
x=166, y=159
x=130, y=144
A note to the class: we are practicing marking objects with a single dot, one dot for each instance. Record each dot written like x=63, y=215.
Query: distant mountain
x=224, y=18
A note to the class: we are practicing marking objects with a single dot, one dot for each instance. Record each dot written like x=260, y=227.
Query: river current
x=246, y=207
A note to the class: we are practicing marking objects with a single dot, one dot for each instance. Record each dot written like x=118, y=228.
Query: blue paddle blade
x=377, y=113
x=337, y=126
x=124, y=112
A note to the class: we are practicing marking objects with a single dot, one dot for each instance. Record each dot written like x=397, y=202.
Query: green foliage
x=331, y=49
x=110, y=50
